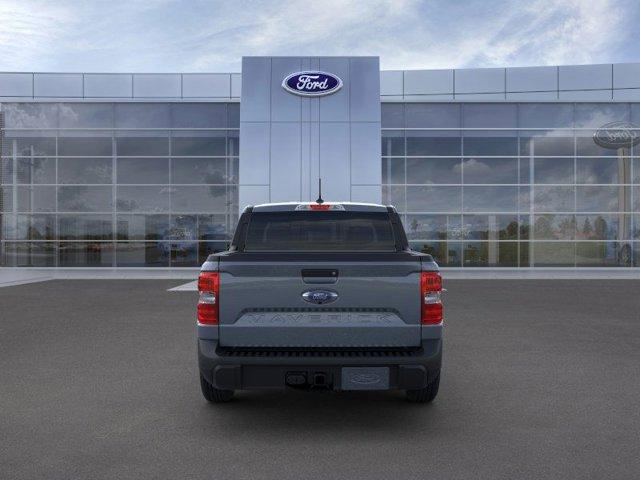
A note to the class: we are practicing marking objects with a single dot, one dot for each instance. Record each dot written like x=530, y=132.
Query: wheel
x=426, y=394
x=212, y=394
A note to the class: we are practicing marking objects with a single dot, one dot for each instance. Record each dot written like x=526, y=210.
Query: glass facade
x=514, y=184
x=117, y=184
x=478, y=184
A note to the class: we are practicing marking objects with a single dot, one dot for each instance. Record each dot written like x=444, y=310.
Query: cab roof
x=291, y=206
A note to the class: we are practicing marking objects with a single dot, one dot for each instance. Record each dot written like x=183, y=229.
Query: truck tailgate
x=377, y=304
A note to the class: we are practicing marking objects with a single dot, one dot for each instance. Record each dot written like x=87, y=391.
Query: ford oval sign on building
x=616, y=135
x=312, y=83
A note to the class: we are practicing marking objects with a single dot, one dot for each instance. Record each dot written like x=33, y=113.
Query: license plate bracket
x=365, y=378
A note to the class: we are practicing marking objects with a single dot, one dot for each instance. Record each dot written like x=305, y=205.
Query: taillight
x=209, y=288
x=430, y=290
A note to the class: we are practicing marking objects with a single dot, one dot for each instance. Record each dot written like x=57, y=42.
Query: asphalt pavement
x=541, y=380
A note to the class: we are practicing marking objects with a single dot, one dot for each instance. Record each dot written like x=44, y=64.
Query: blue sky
x=212, y=36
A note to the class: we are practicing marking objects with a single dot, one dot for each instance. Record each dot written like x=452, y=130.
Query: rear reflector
x=430, y=290
x=209, y=289
x=320, y=207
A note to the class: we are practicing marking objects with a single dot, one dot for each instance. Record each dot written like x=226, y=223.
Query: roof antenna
x=320, y=200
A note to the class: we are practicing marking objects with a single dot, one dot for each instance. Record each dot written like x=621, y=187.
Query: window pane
x=142, y=115
x=142, y=170
x=90, y=146
x=545, y=115
x=434, y=199
x=490, y=170
x=554, y=199
x=183, y=254
x=553, y=170
x=446, y=254
x=488, y=115
x=394, y=196
x=142, y=227
x=233, y=143
x=201, y=199
x=85, y=199
x=432, y=115
x=36, y=227
x=6, y=199
x=636, y=170
x=36, y=199
x=524, y=199
x=598, y=114
x=392, y=143
x=85, y=254
x=392, y=115
x=199, y=170
x=554, y=227
x=6, y=170
x=585, y=145
x=553, y=254
x=211, y=144
x=140, y=254
x=433, y=143
x=490, y=144
x=93, y=115
x=85, y=170
x=143, y=146
x=603, y=199
x=490, y=227
x=85, y=227
x=36, y=170
x=490, y=199
x=233, y=115
x=32, y=146
x=603, y=254
x=30, y=115
x=491, y=254
x=603, y=170
x=213, y=227
x=546, y=144
x=36, y=254
x=434, y=170
x=208, y=248
x=199, y=115
x=393, y=170
x=603, y=227
x=143, y=199
x=433, y=227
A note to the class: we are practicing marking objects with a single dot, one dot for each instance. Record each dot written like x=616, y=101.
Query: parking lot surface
x=541, y=380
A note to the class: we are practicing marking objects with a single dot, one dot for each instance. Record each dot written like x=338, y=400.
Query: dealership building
x=528, y=167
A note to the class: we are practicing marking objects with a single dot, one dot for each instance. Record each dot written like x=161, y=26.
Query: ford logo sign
x=617, y=135
x=319, y=296
x=312, y=83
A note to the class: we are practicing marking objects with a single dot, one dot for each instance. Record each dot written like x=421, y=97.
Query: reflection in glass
x=83, y=115
x=36, y=227
x=603, y=170
x=434, y=115
x=204, y=146
x=553, y=254
x=490, y=227
x=490, y=144
x=93, y=146
x=392, y=143
x=201, y=199
x=446, y=254
x=598, y=114
x=554, y=199
x=545, y=115
x=490, y=199
x=142, y=198
x=199, y=170
x=393, y=170
x=553, y=170
x=490, y=115
x=199, y=115
x=33, y=146
x=434, y=199
x=394, y=196
x=146, y=146
x=603, y=198
x=490, y=254
x=554, y=227
x=36, y=254
x=85, y=199
x=85, y=170
x=141, y=254
x=37, y=198
x=142, y=170
x=85, y=254
x=85, y=227
x=546, y=144
x=433, y=227
x=30, y=115
x=212, y=227
x=434, y=170
x=603, y=254
x=208, y=248
x=142, y=227
x=36, y=170
x=490, y=170
x=433, y=143
x=602, y=226
x=142, y=115
x=392, y=115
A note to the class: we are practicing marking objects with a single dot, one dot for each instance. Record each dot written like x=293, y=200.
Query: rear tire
x=426, y=394
x=213, y=394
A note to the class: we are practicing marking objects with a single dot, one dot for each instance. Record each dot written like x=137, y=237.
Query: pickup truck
x=320, y=296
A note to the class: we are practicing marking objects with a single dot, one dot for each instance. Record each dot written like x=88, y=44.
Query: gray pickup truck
x=320, y=296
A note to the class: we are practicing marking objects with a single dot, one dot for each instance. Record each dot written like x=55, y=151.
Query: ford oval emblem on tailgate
x=320, y=296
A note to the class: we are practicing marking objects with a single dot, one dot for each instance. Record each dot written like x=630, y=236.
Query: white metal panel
x=364, y=81
x=391, y=82
x=203, y=85
x=255, y=105
x=157, y=85
x=334, y=160
x=16, y=84
x=108, y=85
x=480, y=97
x=236, y=85
x=285, y=161
x=335, y=107
x=253, y=195
x=585, y=77
x=532, y=79
x=426, y=82
x=586, y=95
x=366, y=193
x=626, y=75
x=57, y=85
x=254, y=152
x=629, y=94
x=479, y=80
x=532, y=96
x=285, y=106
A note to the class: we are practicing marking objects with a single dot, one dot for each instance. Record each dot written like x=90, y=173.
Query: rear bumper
x=256, y=369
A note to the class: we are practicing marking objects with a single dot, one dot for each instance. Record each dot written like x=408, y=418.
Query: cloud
x=167, y=35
